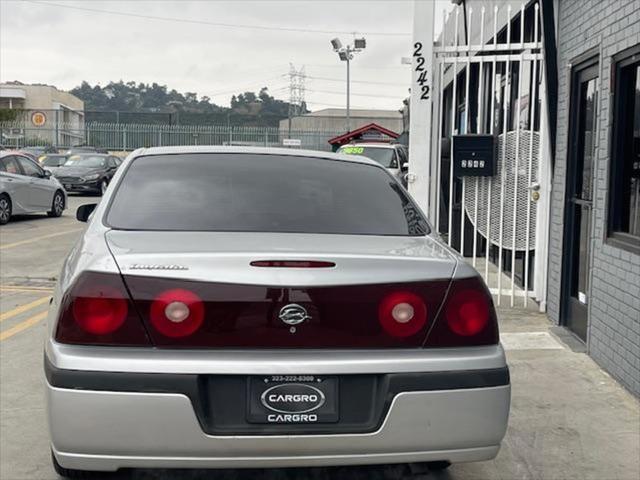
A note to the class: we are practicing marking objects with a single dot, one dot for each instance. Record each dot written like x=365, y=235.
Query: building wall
x=609, y=27
x=63, y=111
x=338, y=123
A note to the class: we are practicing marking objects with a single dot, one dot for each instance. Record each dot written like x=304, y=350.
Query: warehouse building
x=43, y=115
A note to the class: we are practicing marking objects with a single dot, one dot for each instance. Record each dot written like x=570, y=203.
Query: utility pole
x=346, y=55
x=348, y=94
x=296, y=92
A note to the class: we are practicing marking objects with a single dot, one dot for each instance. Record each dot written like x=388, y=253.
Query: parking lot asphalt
x=569, y=419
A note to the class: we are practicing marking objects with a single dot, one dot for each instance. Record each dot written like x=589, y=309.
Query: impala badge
x=293, y=314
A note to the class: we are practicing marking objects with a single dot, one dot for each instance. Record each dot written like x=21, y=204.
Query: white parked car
x=392, y=156
x=25, y=187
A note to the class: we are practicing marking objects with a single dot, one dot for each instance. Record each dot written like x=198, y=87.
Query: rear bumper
x=98, y=430
x=106, y=421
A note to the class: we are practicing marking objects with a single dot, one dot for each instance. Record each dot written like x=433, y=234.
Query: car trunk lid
x=234, y=304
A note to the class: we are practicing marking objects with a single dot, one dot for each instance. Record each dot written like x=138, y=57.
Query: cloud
x=42, y=43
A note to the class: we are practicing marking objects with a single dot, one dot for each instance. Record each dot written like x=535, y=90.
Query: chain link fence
x=127, y=137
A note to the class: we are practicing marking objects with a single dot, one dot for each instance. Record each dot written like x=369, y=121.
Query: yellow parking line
x=29, y=322
x=18, y=288
x=23, y=308
x=37, y=239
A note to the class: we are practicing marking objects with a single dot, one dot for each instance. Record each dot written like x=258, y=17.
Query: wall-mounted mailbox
x=473, y=156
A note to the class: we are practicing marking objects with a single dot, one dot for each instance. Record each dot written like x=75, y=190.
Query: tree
x=139, y=101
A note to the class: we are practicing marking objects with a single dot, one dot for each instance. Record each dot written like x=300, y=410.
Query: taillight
x=176, y=313
x=468, y=317
x=97, y=311
x=100, y=310
x=467, y=312
x=402, y=314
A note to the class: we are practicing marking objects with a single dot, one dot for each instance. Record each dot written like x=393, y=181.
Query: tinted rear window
x=261, y=193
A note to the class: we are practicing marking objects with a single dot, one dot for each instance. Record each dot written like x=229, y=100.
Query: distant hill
x=156, y=104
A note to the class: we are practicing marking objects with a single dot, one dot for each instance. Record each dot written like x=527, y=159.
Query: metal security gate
x=493, y=84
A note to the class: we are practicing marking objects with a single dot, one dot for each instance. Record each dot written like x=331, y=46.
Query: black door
x=579, y=198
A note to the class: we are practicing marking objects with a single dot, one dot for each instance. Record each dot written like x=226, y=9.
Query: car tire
x=73, y=474
x=103, y=186
x=57, y=205
x=5, y=209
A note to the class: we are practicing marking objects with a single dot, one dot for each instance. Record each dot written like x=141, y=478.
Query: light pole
x=346, y=55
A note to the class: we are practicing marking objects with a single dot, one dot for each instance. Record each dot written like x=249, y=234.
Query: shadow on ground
x=385, y=472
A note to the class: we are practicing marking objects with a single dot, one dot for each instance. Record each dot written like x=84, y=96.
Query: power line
x=336, y=92
x=341, y=80
x=218, y=24
x=369, y=67
x=370, y=95
x=309, y=102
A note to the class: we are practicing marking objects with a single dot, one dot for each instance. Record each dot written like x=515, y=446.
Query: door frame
x=585, y=62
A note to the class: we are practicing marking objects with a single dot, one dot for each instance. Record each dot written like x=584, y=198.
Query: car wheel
x=103, y=186
x=68, y=473
x=57, y=206
x=5, y=209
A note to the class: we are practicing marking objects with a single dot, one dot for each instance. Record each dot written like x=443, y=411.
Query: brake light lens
x=468, y=317
x=177, y=313
x=97, y=311
x=467, y=312
x=402, y=314
x=101, y=310
x=292, y=264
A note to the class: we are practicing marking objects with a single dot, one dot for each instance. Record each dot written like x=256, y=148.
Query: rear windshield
x=261, y=193
x=54, y=160
x=384, y=156
x=89, y=161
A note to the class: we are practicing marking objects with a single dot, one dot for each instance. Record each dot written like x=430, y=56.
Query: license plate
x=292, y=399
x=67, y=186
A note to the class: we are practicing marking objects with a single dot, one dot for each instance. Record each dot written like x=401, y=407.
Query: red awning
x=359, y=132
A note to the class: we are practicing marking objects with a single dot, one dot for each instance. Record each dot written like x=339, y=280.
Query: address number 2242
x=422, y=71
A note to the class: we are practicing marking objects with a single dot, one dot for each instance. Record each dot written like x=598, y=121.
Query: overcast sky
x=176, y=43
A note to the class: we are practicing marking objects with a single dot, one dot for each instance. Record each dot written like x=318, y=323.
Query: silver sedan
x=245, y=307
x=27, y=188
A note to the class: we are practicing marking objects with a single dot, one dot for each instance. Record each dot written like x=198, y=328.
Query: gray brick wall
x=609, y=26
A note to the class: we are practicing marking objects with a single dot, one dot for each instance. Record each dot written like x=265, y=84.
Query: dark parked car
x=88, y=172
x=37, y=152
x=85, y=149
x=52, y=161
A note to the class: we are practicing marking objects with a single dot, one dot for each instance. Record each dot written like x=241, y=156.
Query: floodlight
x=360, y=43
x=344, y=56
x=336, y=44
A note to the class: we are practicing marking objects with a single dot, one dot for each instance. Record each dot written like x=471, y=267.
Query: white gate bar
x=467, y=118
x=453, y=131
x=438, y=162
x=484, y=58
x=505, y=111
x=518, y=105
x=479, y=112
x=522, y=26
x=491, y=128
x=533, y=96
x=437, y=187
x=505, y=291
x=499, y=47
x=508, y=27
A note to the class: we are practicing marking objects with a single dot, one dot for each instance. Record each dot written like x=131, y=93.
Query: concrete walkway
x=569, y=419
